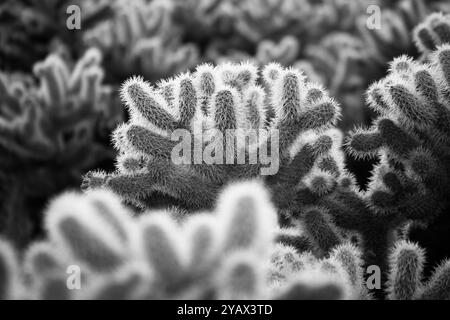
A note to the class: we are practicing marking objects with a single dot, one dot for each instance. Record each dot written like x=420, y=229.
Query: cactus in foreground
x=50, y=132
x=225, y=254
x=234, y=129
x=405, y=277
x=97, y=250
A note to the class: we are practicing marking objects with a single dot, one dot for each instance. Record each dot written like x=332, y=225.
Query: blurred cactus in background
x=31, y=29
x=142, y=39
x=52, y=131
x=223, y=255
x=432, y=33
x=231, y=253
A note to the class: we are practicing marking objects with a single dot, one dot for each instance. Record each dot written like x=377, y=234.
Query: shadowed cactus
x=409, y=185
x=432, y=32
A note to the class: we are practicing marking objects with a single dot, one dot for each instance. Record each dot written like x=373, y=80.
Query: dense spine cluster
x=432, y=32
x=208, y=104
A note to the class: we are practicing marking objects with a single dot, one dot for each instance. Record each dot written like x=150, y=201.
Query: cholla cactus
x=405, y=278
x=58, y=123
x=410, y=138
x=342, y=62
x=226, y=254
x=291, y=120
x=31, y=29
x=27, y=29
x=433, y=32
x=141, y=38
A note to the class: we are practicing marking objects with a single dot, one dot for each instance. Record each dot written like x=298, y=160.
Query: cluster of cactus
x=312, y=189
x=285, y=116
x=158, y=39
x=410, y=138
x=96, y=249
x=433, y=32
x=31, y=29
x=227, y=254
x=51, y=131
x=310, y=181
x=141, y=38
x=273, y=125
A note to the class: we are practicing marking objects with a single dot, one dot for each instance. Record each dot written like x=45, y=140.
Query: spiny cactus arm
x=94, y=231
x=149, y=106
x=9, y=276
x=137, y=187
x=298, y=107
x=432, y=32
x=319, y=229
x=406, y=266
x=349, y=257
x=438, y=286
x=387, y=134
x=350, y=211
x=300, y=166
x=290, y=174
x=441, y=58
